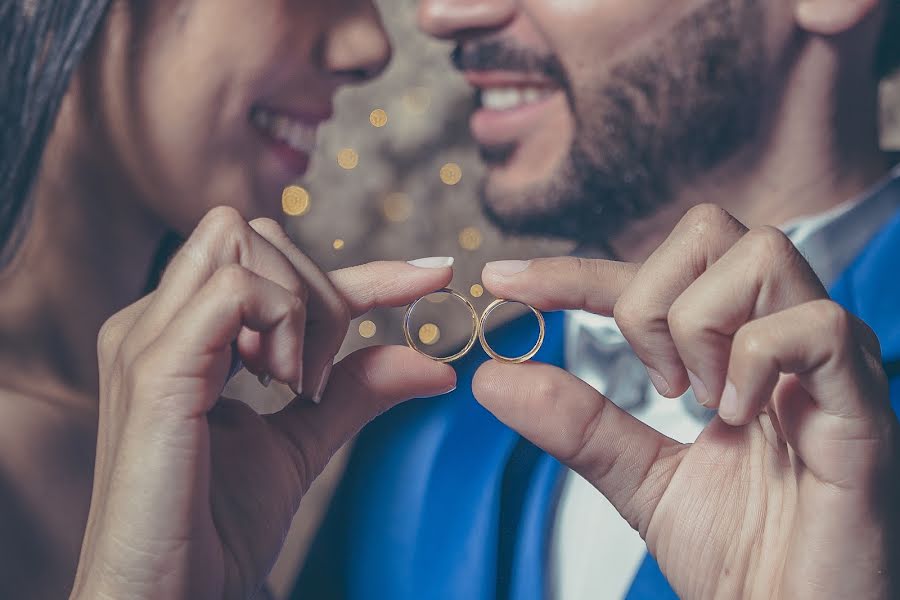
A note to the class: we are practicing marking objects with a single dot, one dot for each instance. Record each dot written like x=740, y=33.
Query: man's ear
x=832, y=17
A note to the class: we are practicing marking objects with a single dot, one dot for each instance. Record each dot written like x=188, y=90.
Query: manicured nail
x=508, y=267
x=264, y=379
x=433, y=262
x=323, y=381
x=700, y=392
x=728, y=406
x=659, y=382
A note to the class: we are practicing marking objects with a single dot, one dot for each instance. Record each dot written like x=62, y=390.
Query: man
x=606, y=122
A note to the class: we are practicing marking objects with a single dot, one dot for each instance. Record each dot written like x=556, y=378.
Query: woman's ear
x=832, y=17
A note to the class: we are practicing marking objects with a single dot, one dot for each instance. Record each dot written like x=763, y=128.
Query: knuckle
x=220, y=220
x=751, y=344
x=218, y=230
x=682, y=321
x=706, y=219
x=268, y=227
x=108, y=339
x=629, y=314
x=835, y=321
x=769, y=244
x=232, y=278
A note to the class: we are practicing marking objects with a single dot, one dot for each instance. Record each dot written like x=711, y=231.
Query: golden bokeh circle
x=295, y=201
x=378, y=118
x=397, y=207
x=368, y=329
x=348, y=158
x=338, y=244
x=470, y=238
x=476, y=291
x=451, y=173
x=429, y=334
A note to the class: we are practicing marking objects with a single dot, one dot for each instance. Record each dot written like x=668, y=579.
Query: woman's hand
x=791, y=492
x=194, y=493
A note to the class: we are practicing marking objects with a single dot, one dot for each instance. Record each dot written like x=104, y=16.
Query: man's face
x=590, y=111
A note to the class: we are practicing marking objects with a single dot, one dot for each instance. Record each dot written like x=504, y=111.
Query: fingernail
x=728, y=407
x=433, y=262
x=700, y=392
x=444, y=393
x=323, y=381
x=508, y=267
x=659, y=382
x=298, y=388
x=264, y=380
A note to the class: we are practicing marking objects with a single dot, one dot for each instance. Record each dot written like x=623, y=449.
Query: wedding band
x=443, y=359
x=505, y=359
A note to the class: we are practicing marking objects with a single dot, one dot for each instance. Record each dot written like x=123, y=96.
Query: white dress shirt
x=594, y=553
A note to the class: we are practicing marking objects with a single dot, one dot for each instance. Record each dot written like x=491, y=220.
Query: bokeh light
x=470, y=238
x=451, y=173
x=295, y=201
x=378, y=118
x=397, y=207
x=368, y=329
x=348, y=158
x=429, y=334
x=476, y=291
x=338, y=244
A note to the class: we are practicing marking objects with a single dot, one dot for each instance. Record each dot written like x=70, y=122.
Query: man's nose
x=357, y=47
x=455, y=18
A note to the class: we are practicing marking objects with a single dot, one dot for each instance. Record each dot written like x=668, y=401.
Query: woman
x=124, y=125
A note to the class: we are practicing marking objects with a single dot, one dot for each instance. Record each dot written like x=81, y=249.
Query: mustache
x=496, y=55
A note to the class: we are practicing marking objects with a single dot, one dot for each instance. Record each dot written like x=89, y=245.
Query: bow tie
x=597, y=353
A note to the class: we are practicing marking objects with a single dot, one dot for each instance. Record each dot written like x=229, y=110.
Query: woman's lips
x=291, y=137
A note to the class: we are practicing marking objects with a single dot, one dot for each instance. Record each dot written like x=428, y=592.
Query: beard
x=644, y=125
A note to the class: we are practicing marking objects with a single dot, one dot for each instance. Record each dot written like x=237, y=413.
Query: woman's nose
x=449, y=19
x=357, y=46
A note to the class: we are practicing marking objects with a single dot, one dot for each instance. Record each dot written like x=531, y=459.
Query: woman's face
x=207, y=102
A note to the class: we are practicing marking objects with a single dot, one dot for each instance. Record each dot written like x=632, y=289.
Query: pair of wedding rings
x=478, y=331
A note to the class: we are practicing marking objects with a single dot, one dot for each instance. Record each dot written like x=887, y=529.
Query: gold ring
x=505, y=359
x=445, y=359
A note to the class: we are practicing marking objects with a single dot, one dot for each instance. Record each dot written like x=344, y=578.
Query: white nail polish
x=433, y=262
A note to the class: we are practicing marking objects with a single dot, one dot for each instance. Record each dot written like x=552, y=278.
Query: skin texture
x=644, y=119
x=153, y=133
x=789, y=492
x=219, y=483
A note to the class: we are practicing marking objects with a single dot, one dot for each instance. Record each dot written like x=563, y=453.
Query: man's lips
x=510, y=104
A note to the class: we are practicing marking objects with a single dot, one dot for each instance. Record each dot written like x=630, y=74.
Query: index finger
x=389, y=283
x=561, y=283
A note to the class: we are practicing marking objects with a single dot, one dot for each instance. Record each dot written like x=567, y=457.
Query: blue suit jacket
x=442, y=501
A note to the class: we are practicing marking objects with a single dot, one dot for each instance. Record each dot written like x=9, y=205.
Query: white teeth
x=506, y=98
x=296, y=134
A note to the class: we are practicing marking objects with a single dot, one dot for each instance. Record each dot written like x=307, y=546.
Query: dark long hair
x=41, y=44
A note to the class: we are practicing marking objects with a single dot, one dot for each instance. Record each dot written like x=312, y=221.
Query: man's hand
x=790, y=493
x=194, y=493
